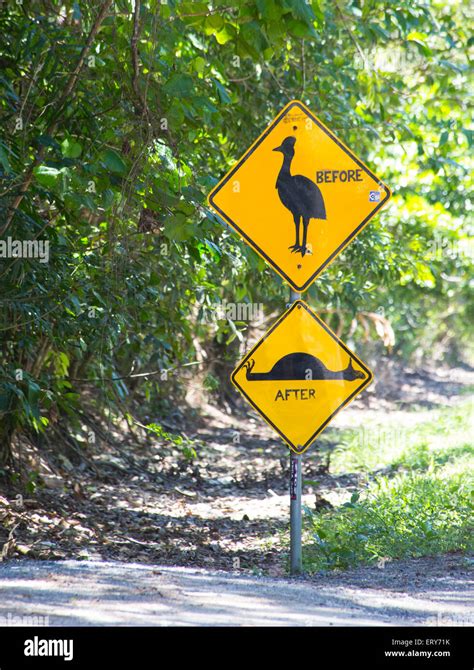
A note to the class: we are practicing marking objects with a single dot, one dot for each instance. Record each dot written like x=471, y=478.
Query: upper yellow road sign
x=299, y=375
x=298, y=196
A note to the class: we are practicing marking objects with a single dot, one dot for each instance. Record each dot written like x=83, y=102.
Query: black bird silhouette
x=298, y=194
x=304, y=367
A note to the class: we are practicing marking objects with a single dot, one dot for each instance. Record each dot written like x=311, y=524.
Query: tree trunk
x=7, y=431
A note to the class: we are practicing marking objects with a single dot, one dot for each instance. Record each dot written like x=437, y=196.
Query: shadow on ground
x=95, y=593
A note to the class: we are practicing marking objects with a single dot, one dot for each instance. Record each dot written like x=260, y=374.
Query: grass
x=394, y=442
x=418, y=501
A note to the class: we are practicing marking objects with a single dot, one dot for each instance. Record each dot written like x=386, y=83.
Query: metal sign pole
x=296, y=565
x=295, y=514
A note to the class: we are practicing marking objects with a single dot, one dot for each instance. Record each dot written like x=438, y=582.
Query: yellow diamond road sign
x=298, y=196
x=299, y=375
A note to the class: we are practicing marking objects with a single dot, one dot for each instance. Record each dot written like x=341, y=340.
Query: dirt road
x=90, y=593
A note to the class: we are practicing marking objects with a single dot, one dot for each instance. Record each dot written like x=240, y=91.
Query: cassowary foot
x=295, y=247
x=304, y=250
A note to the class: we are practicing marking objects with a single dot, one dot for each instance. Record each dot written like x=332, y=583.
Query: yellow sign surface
x=298, y=196
x=299, y=375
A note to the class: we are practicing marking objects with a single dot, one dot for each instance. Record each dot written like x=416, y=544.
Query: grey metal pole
x=296, y=564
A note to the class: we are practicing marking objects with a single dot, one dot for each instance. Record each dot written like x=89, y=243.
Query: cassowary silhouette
x=298, y=194
x=304, y=367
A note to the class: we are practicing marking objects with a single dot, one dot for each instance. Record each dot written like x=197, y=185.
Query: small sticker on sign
x=374, y=196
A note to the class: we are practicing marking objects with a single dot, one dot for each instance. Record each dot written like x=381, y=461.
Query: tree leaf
x=113, y=162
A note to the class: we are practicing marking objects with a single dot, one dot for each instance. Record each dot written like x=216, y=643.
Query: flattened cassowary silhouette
x=303, y=367
x=298, y=194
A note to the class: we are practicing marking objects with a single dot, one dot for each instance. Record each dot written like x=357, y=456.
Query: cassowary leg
x=296, y=245
x=303, y=248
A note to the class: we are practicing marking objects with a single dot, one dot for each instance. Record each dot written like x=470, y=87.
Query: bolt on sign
x=298, y=196
x=299, y=375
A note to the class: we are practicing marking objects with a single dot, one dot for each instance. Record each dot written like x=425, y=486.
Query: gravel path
x=435, y=591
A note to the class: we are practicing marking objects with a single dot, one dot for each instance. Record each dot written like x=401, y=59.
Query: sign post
x=296, y=557
x=296, y=563
x=298, y=197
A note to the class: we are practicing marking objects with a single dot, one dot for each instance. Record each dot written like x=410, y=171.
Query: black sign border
x=364, y=383
x=246, y=156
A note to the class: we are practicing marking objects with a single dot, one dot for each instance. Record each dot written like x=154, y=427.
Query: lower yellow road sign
x=299, y=375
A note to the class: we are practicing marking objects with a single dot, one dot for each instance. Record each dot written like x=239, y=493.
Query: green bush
x=108, y=156
x=407, y=516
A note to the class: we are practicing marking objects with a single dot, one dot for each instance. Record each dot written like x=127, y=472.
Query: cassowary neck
x=285, y=168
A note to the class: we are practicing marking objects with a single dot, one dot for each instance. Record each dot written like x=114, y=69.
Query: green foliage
x=211, y=383
x=186, y=445
x=435, y=436
x=116, y=172
x=423, y=507
x=407, y=516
